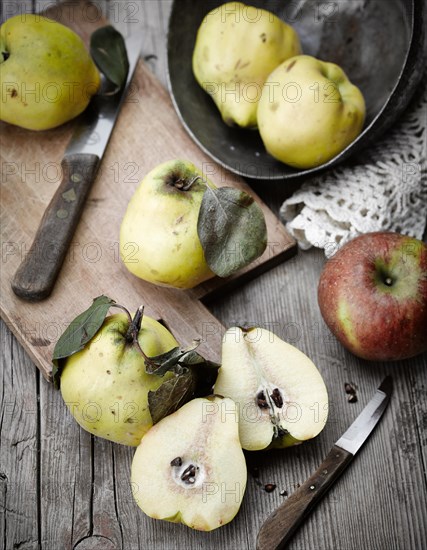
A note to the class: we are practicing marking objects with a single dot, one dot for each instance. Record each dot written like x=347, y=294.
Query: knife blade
x=36, y=276
x=280, y=526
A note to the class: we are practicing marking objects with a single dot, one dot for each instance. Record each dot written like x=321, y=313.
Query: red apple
x=373, y=296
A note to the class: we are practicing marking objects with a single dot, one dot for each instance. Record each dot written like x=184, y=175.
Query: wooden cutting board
x=147, y=133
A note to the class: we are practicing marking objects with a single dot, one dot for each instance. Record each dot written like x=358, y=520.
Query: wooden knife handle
x=279, y=527
x=36, y=276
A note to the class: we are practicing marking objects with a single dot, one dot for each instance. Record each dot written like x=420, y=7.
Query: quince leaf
x=204, y=372
x=170, y=396
x=194, y=377
x=231, y=229
x=161, y=364
x=168, y=361
x=78, y=333
x=108, y=50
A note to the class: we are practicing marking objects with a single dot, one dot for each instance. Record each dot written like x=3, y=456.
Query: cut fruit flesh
x=190, y=467
x=280, y=394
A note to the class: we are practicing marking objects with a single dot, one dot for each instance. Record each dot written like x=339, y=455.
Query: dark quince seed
x=269, y=487
x=261, y=400
x=188, y=473
x=177, y=461
x=352, y=398
x=349, y=388
x=276, y=396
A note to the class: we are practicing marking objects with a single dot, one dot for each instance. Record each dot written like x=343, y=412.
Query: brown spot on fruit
x=263, y=37
x=274, y=106
x=289, y=67
x=13, y=93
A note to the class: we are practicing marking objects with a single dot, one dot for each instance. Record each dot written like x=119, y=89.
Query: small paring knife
x=36, y=276
x=280, y=526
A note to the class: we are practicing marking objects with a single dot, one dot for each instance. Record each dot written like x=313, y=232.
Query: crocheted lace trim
x=385, y=190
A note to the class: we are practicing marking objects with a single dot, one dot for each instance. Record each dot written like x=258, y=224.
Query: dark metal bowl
x=379, y=43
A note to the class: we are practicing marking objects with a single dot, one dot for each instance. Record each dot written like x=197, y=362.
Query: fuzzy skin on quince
x=236, y=49
x=47, y=76
x=309, y=112
x=158, y=235
x=105, y=385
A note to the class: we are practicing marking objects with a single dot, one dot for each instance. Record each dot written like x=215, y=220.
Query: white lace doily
x=386, y=190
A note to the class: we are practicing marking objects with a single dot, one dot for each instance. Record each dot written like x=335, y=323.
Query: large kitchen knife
x=36, y=276
x=279, y=527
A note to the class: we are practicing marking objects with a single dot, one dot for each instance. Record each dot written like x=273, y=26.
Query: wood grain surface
x=62, y=489
x=147, y=133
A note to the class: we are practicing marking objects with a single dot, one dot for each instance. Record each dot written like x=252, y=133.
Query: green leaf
x=204, y=372
x=79, y=333
x=170, y=396
x=231, y=228
x=194, y=377
x=161, y=364
x=108, y=50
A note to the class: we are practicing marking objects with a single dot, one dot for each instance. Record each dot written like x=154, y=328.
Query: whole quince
x=237, y=47
x=106, y=386
x=309, y=112
x=47, y=76
x=158, y=236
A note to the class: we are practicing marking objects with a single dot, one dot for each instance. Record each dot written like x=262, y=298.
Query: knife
x=279, y=527
x=36, y=276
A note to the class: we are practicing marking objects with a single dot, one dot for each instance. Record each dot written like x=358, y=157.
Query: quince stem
x=179, y=184
x=125, y=310
x=135, y=326
x=133, y=331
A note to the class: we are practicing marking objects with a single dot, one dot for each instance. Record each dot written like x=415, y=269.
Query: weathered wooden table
x=61, y=488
